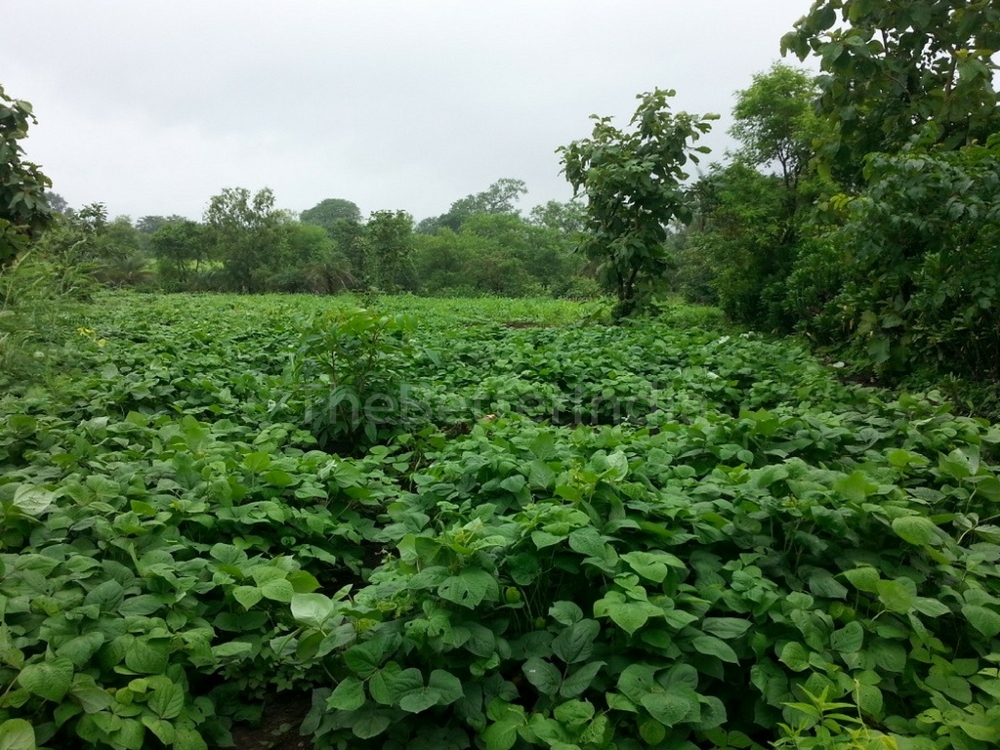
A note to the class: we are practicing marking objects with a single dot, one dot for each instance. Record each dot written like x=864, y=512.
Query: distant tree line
x=244, y=243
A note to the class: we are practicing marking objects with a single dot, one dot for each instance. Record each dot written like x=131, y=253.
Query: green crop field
x=485, y=524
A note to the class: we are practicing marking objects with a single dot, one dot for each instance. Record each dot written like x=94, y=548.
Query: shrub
x=346, y=372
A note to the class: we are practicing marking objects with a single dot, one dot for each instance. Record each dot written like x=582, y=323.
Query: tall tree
x=388, y=241
x=500, y=198
x=179, y=248
x=896, y=72
x=244, y=230
x=24, y=208
x=775, y=122
x=567, y=218
x=633, y=183
x=326, y=213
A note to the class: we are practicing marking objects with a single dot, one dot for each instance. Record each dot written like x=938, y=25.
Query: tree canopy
x=632, y=180
x=899, y=72
x=24, y=208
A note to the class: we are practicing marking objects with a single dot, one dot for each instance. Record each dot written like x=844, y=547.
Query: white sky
x=151, y=106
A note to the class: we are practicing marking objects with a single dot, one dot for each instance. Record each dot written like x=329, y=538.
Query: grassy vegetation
x=529, y=529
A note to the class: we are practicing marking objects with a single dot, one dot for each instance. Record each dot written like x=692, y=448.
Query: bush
x=924, y=284
x=346, y=371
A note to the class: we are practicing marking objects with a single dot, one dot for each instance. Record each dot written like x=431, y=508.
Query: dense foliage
x=632, y=180
x=24, y=209
x=583, y=536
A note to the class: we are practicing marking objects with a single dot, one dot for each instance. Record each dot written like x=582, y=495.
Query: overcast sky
x=152, y=107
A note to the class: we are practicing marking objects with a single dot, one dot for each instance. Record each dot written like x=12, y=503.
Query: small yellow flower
x=101, y=342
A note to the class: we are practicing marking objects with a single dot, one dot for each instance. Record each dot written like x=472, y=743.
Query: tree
x=312, y=262
x=388, y=242
x=776, y=123
x=148, y=225
x=179, y=248
x=24, y=209
x=568, y=218
x=326, y=213
x=896, y=72
x=632, y=181
x=244, y=231
x=58, y=204
x=498, y=199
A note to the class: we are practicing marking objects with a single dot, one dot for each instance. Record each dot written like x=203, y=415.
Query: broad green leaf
x=855, y=487
x=863, y=579
x=256, y=462
x=574, y=714
x=448, y=686
x=870, y=700
x=618, y=465
x=470, y=588
x=247, y=595
x=888, y=655
x=349, y=695
x=228, y=554
x=140, y=606
x=566, y=613
x=303, y=582
x=849, y=639
x=580, y=679
x=91, y=698
x=107, y=596
x=982, y=728
x=983, y=619
x=419, y=700
x=364, y=658
x=48, y=679
x=130, y=735
x=163, y=729
x=33, y=501
x=279, y=478
x=713, y=714
x=652, y=565
x=629, y=616
x=540, y=476
x=167, y=701
x=636, y=680
x=917, y=530
x=370, y=724
x=543, y=447
x=279, y=590
x=576, y=643
x=670, y=709
x=587, y=541
x=898, y=595
x=794, y=656
x=80, y=649
x=619, y=702
x=230, y=649
x=652, y=731
x=543, y=539
x=725, y=627
x=312, y=609
x=501, y=735
x=543, y=675
x=711, y=646
x=17, y=734
x=389, y=684
x=188, y=739
x=822, y=583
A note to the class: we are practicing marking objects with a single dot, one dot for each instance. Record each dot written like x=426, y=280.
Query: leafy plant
x=632, y=181
x=347, y=369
